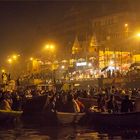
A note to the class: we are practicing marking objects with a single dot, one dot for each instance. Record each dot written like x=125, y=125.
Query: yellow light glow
x=31, y=58
x=14, y=57
x=47, y=46
x=10, y=60
x=126, y=25
x=3, y=70
x=62, y=66
x=138, y=34
x=89, y=64
x=50, y=47
x=111, y=62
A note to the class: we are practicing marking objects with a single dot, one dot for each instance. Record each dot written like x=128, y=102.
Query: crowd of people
x=111, y=105
x=109, y=99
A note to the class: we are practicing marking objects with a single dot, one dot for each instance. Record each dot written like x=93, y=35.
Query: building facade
x=113, y=43
x=117, y=31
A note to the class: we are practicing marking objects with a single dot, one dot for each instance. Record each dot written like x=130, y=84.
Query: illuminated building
x=116, y=31
x=33, y=65
x=76, y=48
x=116, y=36
x=113, y=39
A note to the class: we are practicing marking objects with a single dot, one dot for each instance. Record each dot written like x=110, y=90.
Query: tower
x=76, y=47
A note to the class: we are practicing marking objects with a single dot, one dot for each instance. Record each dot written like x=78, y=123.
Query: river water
x=69, y=132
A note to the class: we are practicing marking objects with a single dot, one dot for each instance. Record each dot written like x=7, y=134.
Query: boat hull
x=9, y=116
x=114, y=119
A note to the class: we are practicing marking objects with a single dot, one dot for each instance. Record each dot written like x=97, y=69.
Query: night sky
x=26, y=26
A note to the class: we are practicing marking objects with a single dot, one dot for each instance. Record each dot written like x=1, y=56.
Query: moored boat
x=67, y=118
x=9, y=116
x=114, y=119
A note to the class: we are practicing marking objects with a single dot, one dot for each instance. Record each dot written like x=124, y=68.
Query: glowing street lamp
x=31, y=58
x=62, y=66
x=49, y=47
x=3, y=70
x=10, y=60
x=138, y=35
x=14, y=57
x=126, y=25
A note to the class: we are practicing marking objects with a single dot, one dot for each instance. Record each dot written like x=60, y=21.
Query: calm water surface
x=37, y=132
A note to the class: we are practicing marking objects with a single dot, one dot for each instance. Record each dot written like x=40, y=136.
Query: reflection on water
x=36, y=132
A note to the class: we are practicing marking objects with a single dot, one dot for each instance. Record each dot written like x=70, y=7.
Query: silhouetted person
x=112, y=105
x=126, y=105
x=9, y=76
x=18, y=82
x=101, y=103
x=59, y=103
x=16, y=102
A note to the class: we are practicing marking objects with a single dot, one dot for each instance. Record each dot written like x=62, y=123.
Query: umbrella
x=103, y=69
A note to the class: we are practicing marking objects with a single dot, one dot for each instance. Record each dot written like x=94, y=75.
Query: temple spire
x=76, y=46
x=93, y=44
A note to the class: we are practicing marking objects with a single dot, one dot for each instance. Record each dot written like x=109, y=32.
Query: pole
x=115, y=58
x=86, y=48
x=104, y=59
x=121, y=61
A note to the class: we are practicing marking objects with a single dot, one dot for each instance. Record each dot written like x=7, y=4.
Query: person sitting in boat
x=17, y=104
x=6, y=103
x=101, y=103
x=71, y=105
x=79, y=103
x=112, y=105
x=50, y=105
x=126, y=105
x=59, y=103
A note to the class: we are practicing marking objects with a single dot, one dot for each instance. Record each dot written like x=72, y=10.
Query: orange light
x=126, y=25
x=47, y=47
x=10, y=60
x=138, y=34
x=62, y=66
x=3, y=70
x=31, y=58
x=14, y=57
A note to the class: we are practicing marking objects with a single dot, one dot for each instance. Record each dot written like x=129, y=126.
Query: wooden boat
x=34, y=110
x=9, y=116
x=67, y=118
x=114, y=119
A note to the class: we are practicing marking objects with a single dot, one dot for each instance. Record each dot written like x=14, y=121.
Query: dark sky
x=26, y=26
